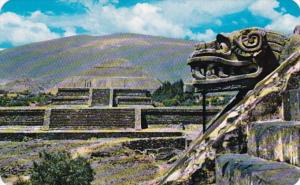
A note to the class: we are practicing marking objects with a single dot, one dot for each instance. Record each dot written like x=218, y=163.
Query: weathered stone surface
x=203, y=148
x=236, y=61
x=157, y=143
x=100, y=97
x=277, y=141
x=70, y=100
x=242, y=169
x=125, y=97
x=294, y=81
x=175, y=115
x=70, y=135
x=73, y=92
x=291, y=105
x=26, y=117
x=100, y=118
x=71, y=96
x=269, y=108
x=133, y=100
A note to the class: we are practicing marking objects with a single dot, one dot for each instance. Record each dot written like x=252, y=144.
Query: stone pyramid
x=112, y=74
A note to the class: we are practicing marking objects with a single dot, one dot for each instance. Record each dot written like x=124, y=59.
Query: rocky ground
x=112, y=160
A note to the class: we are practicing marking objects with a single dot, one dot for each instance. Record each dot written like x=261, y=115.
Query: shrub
x=60, y=169
x=22, y=182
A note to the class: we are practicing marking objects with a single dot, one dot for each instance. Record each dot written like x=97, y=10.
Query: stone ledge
x=83, y=134
x=236, y=169
x=277, y=141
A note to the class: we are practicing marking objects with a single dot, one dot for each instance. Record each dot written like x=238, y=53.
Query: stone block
x=24, y=117
x=291, y=105
x=100, y=97
x=242, y=169
x=73, y=92
x=277, y=141
x=175, y=115
x=92, y=118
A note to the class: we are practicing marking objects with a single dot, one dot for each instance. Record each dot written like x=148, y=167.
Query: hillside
x=50, y=62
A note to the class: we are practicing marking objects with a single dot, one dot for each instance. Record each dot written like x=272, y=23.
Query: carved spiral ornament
x=251, y=41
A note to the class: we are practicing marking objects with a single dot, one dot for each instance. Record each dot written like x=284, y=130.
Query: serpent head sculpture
x=236, y=61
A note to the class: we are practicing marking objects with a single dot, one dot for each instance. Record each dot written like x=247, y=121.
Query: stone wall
x=291, y=104
x=71, y=96
x=73, y=92
x=100, y=118
x=100, y=97
x=75, y=135
x=26, y=117
x=70, y=100
x=175, y=115
x=123, y=97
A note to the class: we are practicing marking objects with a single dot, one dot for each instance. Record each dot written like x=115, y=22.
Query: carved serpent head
x=236, y=61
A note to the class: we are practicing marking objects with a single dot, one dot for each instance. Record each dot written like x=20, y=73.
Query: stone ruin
x=255, y=139
x=104, y=97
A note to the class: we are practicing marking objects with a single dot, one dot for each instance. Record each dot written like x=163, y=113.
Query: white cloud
x=281, y=21
x=285, y=23
x=2, y=3
x=18, y=30
x=207, y=35
x=170, y=18
x=265, y=8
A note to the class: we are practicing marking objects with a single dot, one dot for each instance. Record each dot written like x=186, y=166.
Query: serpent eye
x=223, y=46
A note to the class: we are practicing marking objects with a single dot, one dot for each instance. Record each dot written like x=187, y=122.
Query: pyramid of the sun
x=115, y=74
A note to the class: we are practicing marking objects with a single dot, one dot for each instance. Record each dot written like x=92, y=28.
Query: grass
x=122, y=166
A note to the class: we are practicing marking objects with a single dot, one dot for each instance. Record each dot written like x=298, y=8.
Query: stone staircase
x=126, y=97
x=71, y=96
x=257, y=142
x=272, y=157
x=273, y=150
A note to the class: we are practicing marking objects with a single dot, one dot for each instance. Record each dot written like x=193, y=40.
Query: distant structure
x=115, y=74
x=113, y=83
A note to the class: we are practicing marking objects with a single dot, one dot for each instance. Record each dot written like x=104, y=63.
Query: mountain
x=50, y=62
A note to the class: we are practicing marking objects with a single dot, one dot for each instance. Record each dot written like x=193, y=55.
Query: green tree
x=172, y=95
x=59, y=168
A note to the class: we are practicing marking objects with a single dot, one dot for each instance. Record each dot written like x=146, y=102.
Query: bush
x=25, y=99
x=22, y=182
x=60, y=169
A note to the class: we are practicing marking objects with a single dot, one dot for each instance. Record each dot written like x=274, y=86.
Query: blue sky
x=27, y=21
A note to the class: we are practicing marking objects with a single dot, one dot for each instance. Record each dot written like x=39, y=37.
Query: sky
x=27, y=21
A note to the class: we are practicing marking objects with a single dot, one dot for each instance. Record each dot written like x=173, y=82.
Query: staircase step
x=236, y=169
x=70, y=100
x=277, y=141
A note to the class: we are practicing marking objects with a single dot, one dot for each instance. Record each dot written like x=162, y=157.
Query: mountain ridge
x=50, y=62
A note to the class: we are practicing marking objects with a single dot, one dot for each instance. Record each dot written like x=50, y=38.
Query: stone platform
x=18, y=134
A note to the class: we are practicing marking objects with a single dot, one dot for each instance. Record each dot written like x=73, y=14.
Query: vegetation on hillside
x=24, y=99
x=172, y=94
x=59, y=168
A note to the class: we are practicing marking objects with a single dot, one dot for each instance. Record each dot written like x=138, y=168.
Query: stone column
x=111, y=97
x=138, y=119
x=90, y=101
x=47, y=119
